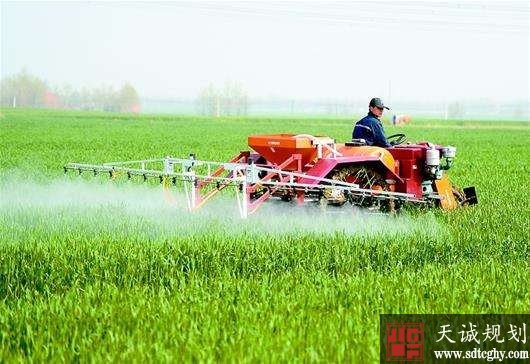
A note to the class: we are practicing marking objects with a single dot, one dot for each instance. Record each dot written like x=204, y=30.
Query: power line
x=366, y=20
x=436, y=21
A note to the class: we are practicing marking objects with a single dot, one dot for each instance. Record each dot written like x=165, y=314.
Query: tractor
x=302, y=168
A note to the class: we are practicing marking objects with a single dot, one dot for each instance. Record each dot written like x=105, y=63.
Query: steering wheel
x=397, y=139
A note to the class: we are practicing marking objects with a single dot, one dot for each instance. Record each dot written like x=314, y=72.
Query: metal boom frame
x=239, y=172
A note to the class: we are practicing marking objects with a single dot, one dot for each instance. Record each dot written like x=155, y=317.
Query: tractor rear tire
x=367, y=177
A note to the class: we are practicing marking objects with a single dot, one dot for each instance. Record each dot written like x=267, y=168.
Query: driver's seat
x=357, y=142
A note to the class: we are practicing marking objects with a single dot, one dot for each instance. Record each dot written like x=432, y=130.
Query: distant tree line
x=26, y=90
x=227, y=101
x=104, y=98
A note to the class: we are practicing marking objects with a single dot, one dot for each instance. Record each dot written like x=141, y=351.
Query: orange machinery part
x=369, y=151
x=445, y=190
x=277, y=148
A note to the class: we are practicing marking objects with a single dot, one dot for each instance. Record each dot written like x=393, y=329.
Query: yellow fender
x=445, y=190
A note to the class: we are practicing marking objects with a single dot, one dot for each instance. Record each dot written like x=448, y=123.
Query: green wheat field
x=94, y=270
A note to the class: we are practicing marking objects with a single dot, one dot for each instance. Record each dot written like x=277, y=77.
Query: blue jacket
x=370, y=129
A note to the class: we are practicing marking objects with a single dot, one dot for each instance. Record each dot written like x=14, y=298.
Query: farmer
x=369, y=128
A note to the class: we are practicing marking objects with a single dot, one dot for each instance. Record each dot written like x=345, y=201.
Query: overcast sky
x=397, y=50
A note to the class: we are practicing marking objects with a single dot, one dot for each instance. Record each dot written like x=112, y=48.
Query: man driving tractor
x=370, y=128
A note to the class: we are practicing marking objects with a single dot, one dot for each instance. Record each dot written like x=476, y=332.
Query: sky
x=400, y=50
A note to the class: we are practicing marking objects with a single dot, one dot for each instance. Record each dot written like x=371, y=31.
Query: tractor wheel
x=367, y=178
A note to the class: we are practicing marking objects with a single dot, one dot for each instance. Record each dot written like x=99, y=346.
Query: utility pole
x=390, y=92
x=14, y=102
x=218, y=107
x=390, y=101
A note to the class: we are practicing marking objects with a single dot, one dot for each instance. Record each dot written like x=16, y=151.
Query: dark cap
x=377, y=102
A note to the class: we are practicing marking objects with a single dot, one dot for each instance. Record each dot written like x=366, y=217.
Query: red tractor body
x=412, y=169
